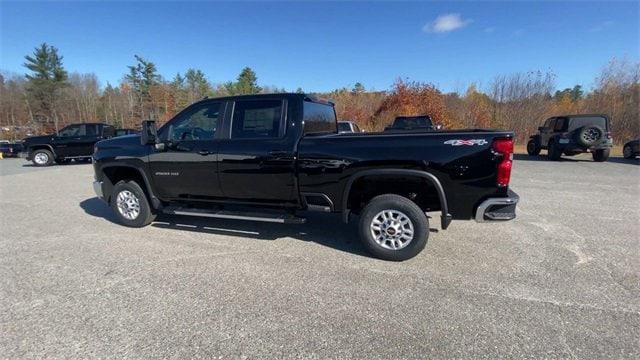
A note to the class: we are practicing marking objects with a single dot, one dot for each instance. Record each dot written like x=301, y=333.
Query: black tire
x=533, y=148
x=627, y=152
x=589, y=135
x=408, y=209
x=42, y=157
x=145, y=214
x=553, y=153
x=600, y=155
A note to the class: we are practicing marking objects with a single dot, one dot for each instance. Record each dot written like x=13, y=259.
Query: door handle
x=204, y=152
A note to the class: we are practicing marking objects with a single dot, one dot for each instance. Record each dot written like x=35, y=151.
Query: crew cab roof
x=297, y=96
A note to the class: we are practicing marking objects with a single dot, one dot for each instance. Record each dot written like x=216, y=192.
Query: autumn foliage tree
x=412, y=98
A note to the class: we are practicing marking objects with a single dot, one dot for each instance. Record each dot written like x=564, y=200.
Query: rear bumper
x=498, y=209
x=569, y=145
x=97, y=188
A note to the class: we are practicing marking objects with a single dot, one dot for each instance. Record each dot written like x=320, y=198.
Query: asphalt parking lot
x=561, y=281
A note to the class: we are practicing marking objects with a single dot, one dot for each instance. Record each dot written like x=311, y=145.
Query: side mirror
x=149, y=133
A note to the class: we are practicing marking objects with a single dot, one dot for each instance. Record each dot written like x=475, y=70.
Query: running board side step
x=236, y=215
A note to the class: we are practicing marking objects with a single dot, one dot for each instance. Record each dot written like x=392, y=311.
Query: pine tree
x=247, y=83
x=197, y=85
x=142, y=76
x=46, y=81
x=358, y=88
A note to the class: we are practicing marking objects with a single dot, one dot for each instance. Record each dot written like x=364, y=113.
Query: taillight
x=504, y=147
x=608, y=135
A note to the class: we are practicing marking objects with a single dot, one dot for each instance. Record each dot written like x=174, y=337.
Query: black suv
x=571, y=135
x=72, y=142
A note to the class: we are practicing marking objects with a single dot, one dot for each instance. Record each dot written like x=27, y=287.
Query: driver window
x=71, y=130
x=198, y=124
x=547, y=123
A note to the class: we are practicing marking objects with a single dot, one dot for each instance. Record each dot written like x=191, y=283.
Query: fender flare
x=49, y=147
x=446, y=217
x=155, y=202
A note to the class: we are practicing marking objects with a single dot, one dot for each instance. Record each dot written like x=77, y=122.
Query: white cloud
x=446, y=23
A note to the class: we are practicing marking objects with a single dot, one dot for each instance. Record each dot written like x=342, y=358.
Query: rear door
x=90, y=134
x=187, y=168
x=256, y=161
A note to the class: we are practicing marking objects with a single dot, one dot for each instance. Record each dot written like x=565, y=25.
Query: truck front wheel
x=130, y=204
x=393, y=227
x=42, y=157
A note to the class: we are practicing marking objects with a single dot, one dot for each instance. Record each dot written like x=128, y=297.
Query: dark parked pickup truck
x=73, y=142
x=412, y=124
x=267, y=157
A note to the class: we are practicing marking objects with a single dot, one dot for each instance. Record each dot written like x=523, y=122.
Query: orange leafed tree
x=410, y=98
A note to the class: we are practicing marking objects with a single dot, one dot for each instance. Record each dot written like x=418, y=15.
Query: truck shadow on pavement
x=618, y=160
x=324, y=229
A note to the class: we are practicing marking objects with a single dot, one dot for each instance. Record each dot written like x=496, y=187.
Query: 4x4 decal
x=471, y=142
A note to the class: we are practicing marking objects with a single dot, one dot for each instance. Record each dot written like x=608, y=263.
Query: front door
x=547, y=131
x=68, y=142
x=187, y=168
x=256, y=164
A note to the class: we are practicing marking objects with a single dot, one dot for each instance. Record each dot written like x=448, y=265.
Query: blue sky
x=323, y=46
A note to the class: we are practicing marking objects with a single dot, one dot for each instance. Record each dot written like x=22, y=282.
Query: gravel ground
x=560, y=281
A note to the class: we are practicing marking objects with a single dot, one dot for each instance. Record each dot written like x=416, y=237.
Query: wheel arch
x=35, y=147
x=446, y=217
x=117, y=172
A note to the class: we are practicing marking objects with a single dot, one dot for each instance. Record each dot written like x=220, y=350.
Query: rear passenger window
x=560, y=124
x=256, y=119
x=319, y=118
x=90, y=130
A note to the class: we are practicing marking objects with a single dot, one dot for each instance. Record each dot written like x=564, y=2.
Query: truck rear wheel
x=533, y=148
x=393, y=227
x=130, y=204
x=553, y=153
x=600, y=155
x=42, y=157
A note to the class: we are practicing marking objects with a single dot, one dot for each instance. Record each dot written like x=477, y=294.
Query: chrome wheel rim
x=392, y=229
x=41, y=158
x=128, y=204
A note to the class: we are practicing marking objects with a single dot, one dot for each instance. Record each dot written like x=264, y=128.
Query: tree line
x=48, y=97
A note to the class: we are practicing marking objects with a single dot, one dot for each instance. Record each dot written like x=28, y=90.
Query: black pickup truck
x=73, y=142
x=412, y=124
x=267, y=157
